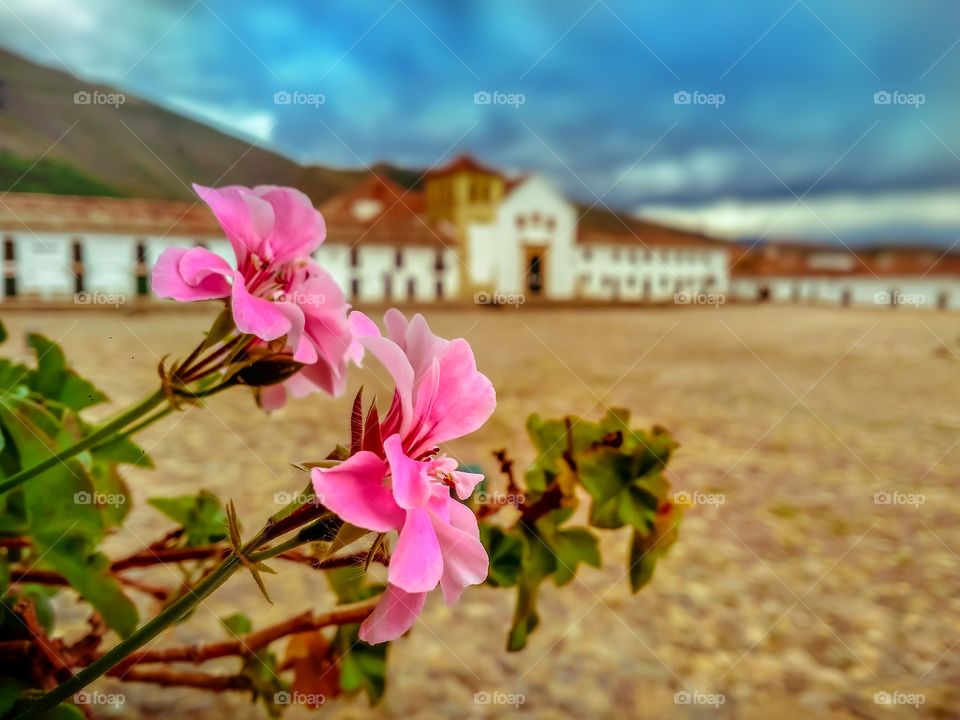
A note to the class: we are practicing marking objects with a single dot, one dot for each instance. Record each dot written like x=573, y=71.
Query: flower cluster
x=399, y=480
x=276, y=291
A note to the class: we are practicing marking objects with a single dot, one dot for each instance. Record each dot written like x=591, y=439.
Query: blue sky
x=782, y=136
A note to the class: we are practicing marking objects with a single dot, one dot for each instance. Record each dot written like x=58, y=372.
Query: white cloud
x=698, y=170
x=877, y=215
x=249, y=124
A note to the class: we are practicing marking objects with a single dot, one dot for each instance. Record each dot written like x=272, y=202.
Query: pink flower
x=276, y=289
x=403, y=483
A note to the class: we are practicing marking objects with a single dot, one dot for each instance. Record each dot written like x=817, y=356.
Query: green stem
x=97, y=437
x=171, y=615
x=176, y=611
x=134, y=429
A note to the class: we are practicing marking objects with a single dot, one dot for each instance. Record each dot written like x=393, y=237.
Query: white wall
x=109, y=264
x=919, y=293
x=633, y=272
x=376, y=263
x=44, y=266
x=497, y=250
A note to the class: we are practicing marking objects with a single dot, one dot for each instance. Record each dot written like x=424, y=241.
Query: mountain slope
x=136, y=148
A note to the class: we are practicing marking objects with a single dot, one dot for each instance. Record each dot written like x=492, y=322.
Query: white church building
x=465, y=233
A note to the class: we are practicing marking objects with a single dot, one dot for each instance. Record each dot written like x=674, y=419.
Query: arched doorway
x=535, y=270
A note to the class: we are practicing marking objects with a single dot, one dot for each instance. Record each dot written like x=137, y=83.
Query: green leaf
x=238, y=624
x=112, y=490
x=573, y=547
x=53, y=379
x=3, y=333
x=201, y=516
x=637, y=508
x=363, y=667
x=125, y=451
x=64, y=711
x=89, y=573
x=549, y=437
x=505, y=551
x=65, y=524
x=645, y=550
x=13, y=378
x=538, y=563
x=10, y=688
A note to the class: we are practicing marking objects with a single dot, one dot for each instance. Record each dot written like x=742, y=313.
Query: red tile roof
x=599, y=226
x=381, y=212
x=819, y=261
x=463, y=163
x=37, y=212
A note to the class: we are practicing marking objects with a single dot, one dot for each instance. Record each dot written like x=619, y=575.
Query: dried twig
x=251, y=642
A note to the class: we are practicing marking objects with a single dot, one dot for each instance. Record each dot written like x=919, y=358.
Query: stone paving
x=816, y=569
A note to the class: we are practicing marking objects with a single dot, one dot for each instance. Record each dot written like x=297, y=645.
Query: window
x=388, y=287
x=521, y=221
x=535, y=219
x=439, y=289
x=632, y=254
x=411, y=288
x=10, y=286
x=141, y=252
x=398, y=259
x=438, y=263
x=587, y=253
x=78, y=283
x=77, y=252
x=355, y=288
x=354, y=257
x=9, y=249
x=551, y=223
x=143, y=287
x=616, y=255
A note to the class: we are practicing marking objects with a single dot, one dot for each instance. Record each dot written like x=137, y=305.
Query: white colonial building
x=466, y=232
x=890, y=276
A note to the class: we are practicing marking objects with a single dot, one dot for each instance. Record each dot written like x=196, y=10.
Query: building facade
x=465, y=232
x=919, y=278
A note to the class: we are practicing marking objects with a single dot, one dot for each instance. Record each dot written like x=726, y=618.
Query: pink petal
x=421, y=345
x=255, y=315
x=416, y=564
x=465, y=483
x=411, y=486
x=245, y=218
x=273, y=397
x=396, y=613
x=203, y=283
x=355, y=490
x=393, y=359
x=396, y=325
x=298, y=229
x=465, y=560
x=463, y=402
x=198, y=263
x=362, y=326
x=314, y=378
x=303, y=350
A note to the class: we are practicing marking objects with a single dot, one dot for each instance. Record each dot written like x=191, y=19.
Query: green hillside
x=19, y=174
